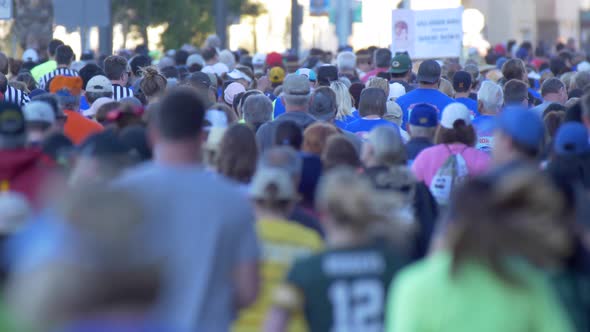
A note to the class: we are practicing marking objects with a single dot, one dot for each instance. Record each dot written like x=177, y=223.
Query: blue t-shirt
x=362, y=126
x=342, y=124
x=431, y=96
x=470, y=104
x=279, y=108
x=484, y=128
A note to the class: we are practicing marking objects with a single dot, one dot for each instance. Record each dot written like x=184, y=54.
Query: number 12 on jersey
x=357, y=305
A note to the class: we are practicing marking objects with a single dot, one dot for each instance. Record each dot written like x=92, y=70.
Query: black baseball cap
x=327, y=74
x=429, y=72
x=12, y=120
x=199, y=78
x=105, y=144
x=462, y=81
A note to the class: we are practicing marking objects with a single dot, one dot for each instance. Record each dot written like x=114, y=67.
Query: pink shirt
x=428, y=162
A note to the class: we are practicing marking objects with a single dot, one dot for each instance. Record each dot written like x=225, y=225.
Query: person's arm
x=286, y=299
x=277, y=320
x=246, y=283
x=418, y=167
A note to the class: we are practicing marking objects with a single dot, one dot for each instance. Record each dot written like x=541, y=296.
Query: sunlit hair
x=343, y=100
x=379, y=83
x=316, y=136
x=238, y=153
x=520, y=214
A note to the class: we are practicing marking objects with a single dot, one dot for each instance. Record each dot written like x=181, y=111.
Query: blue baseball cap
x=307, y=72
x=522, y=125
x=424, y=115
x=571, y=139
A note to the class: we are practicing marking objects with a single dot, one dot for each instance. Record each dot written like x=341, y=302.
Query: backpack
x=449, y=175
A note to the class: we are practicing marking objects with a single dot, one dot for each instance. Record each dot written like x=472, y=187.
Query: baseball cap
x=217, y=69
x=462, y=81
x=307, y=72
x=195, y=59
x=73, y=84
x=522, y=125
x=30, y=55
x=571, y=139
x=237, y=74
x=424, y=115
x=12, y=119
x=99, y=84
x=396, y=90
x=258, y=59
x=401, y=63
x=327, y=74
x=272, y=184
x=39, y=112
x=583, y=66
x=429, y=72
x=232, y=91
x=296, y=85
x=276, y=75
x=274, y=59
x=200, y=78
x=454, y=112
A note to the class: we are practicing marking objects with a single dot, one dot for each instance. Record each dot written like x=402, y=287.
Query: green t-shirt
x=425, y=297
x=345, y=289
x=42, y=69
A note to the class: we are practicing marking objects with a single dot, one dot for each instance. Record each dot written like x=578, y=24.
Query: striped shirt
x=16, y=96
x=44, y=80
x=120, y=92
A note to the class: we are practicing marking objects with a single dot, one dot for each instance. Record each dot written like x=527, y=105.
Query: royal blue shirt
x=362, y=126
x=431, y=96
x=343, y=123
x=470, y=104
x=484, y=128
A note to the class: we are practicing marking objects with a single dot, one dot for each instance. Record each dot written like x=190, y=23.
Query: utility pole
x=343, y=21
x=221, y=21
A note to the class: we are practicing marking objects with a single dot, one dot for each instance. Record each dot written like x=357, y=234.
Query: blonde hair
x=379, y=83
x=153, y=82
x=343, y=100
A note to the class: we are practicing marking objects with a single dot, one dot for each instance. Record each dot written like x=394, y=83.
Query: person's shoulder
x=417, y=275
x=291, y=232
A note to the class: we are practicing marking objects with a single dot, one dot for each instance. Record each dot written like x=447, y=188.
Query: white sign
x=428, y=33
x=5, y=9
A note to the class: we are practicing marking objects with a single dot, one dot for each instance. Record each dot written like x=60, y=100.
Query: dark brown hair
x=553, y=121
x=238, y=153
x=513, y=69
x=373, y=102
x=339, y=151
x=153, y=83
x=461, y=133
x=521, y=214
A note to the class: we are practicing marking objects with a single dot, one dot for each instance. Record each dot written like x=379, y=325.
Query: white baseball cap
x=279, y=179
x=454, y=112
x=99, y=84
x=584, y=66
x=39, y=111
x=239, y=75
x=195, y=59
x=259, y=59
x=96, y=105
x=30, y=55
x=396, y=90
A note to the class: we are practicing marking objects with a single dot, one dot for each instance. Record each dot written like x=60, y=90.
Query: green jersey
x=344, y=289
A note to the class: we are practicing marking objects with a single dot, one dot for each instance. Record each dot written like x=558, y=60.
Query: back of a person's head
x=115, y=66
x=138, y=62
x=346, y=61
x=257, y=109
x=283, y=157
x=339, y=151
x=373, y=101
x=64, y=55
x=515, y=92
x=383, y=58
x=343, y=99
x=446, y=87
x=170, y=72
x=553, y=119
x=238, y=153
x=288, y=133
x=558, y=66
x=3, y=63
x=153, y=83
x=180, y=115
x=180, y=57
x=379, y=83
x=490, y=95
x=89, y=71
x=582, y=80
x=552, y=85
x=323, y=101
x=513, y=69
x=209, y=53
x=387, y=146
x=316, y=136
x=518, y=214
x=53, y=45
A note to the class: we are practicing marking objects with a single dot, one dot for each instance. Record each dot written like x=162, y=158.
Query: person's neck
x=62, y=65
x=371, y=116
x=552, y=98
x=211, y=62
x=461, y=95
x=344, y=237
x=293, y=109
x=118, y=82
x=178, y=153
x=484, y=111
x=421, y=137
x=266, y=214
x=429, y=86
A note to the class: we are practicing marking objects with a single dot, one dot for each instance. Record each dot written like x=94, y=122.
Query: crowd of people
x=211, y=190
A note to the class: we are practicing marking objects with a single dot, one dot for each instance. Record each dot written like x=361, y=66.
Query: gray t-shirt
x=201, y=227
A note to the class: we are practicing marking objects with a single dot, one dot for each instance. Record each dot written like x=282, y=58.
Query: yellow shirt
x=282, y=242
